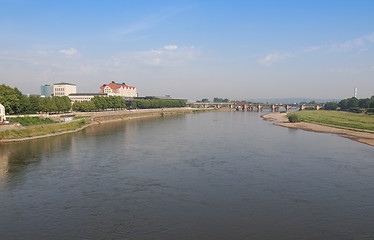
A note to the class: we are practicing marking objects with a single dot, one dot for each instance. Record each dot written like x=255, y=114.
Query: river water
x=216, y=175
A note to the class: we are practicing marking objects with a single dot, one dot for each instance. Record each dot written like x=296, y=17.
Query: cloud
x=273, y=58
x=170, y=47
x=369, y=37
x=358, y=43
x=147, y=22
x=312, y=49
x=170, y=55
x=71, y=51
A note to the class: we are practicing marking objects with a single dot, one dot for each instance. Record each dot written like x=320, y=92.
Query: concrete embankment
x=280, y=119
x=93, y=118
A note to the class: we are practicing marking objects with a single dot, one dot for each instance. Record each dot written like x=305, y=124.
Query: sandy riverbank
x=95, y=118
x=280, y=119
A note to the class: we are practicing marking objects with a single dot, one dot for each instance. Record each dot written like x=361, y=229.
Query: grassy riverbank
x=42, y=130
x=29, y=121
x=352, y=121
x=47, y=130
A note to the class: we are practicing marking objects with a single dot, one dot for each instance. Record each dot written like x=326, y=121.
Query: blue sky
x=192, y=49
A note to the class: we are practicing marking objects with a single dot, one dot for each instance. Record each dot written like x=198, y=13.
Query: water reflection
x=16, y=157
x=225, y=175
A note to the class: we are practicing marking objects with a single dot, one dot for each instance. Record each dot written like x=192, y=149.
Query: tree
x=352, y=102
x=9, y=98
x=205, y=100
x=364, y=103
x=330, y=106
x=34, y=104
x=343, y=104
x=312, y=102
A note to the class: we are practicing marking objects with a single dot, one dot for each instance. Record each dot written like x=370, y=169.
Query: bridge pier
x=259, y=108
x=287, y=107
x=274, y=108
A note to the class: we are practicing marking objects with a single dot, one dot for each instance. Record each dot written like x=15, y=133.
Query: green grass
x=80, y=117
x=41, y=130
x=29, y=121
x=339, y=119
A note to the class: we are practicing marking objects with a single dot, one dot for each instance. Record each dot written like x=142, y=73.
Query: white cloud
x=273, y=58
x=71, y=51
x=369, y=37
x=312, y=48
x=171, y=47
x=357, y=43
x=166, y=56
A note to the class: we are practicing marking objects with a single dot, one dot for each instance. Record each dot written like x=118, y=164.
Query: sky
x=191, y=49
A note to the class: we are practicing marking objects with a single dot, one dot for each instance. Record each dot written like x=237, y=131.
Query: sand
x=280, y=119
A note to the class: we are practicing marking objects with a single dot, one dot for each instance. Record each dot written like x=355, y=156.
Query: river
x=215, y=175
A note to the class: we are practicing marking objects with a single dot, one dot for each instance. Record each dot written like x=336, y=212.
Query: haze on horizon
x=191, y=49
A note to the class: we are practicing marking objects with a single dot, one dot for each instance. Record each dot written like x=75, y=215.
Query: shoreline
x=95, y=118
x=280, y=119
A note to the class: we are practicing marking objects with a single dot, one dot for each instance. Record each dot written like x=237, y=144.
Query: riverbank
x=91, y=118
x=280, y=119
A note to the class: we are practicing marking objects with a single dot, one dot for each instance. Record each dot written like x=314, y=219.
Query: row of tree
x=157, y=103
x=100, y=103
x=216, y=100
x=16, y=103
x=351, y=104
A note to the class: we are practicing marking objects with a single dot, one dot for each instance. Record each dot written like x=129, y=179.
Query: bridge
x=238, y=106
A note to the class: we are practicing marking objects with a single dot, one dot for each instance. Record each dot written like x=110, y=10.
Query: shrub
x=28, y=121
x=293, y=118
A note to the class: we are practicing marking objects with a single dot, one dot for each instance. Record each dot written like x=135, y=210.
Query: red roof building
x=118, y=89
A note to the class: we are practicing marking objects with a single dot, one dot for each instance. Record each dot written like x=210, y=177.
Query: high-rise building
x=355, y=93
x=46, y=90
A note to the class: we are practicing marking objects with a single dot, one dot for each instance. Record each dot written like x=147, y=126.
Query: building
x=46, y=90
x=118, y=89
x=64, y=89
x=2, y=113
x=80, y=97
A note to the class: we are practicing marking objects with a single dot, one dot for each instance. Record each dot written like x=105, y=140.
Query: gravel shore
x=280, y=119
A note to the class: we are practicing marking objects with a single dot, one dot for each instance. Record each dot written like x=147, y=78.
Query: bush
x=28, y=121
x=293, y=118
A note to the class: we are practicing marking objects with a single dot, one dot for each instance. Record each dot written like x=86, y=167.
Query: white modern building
x=118, y=89
x=80, y=97
x=2, y=113
x=64, y=89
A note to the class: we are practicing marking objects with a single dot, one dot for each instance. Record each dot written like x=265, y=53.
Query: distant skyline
x=191, y=49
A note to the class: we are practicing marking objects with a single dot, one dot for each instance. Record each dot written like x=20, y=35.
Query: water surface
x=218, y=175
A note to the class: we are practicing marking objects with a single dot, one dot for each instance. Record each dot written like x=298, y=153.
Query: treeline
x=221, y=100
x=100, y=103
x=16, y=103
x=352, y=104
x=157, y=103
x=215, y=100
